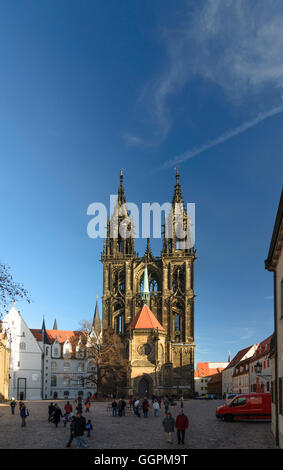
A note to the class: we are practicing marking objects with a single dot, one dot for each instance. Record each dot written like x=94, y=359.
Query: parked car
x=250, y=406
x=229, y=396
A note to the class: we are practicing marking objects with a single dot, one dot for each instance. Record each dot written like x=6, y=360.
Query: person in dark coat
x=24, y=413
x=57, y=414
x=182, y=423
x=124, y=404
x=169, y=426
x=13, y=404
x=120, y=407
x=79, y=407
x=79, y=429
x=72, y=431
x=114, y=408
x=145, y=408
x=50, y=411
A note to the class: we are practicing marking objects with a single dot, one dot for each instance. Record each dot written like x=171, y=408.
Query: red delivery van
x=250, y=406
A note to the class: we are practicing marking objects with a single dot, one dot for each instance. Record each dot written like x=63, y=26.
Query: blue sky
x=87, y=88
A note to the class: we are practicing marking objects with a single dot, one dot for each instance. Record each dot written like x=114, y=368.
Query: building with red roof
x=227, y=373
x=203, y=374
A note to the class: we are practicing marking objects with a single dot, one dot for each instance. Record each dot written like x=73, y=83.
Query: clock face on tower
x=144, y=349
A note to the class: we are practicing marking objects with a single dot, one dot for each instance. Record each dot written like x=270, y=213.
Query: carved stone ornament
x=144, y=349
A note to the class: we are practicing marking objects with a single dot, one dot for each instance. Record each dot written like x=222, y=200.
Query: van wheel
x=228, y=418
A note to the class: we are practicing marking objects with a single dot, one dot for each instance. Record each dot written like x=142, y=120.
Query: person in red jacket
x=181, y=424
x=68, y=408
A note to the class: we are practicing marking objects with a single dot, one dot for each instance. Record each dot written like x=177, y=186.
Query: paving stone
x=131, y=432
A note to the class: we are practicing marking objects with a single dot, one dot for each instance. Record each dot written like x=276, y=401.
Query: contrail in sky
x=226, y=136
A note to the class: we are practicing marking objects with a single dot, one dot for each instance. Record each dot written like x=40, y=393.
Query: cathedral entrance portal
x=143, y=388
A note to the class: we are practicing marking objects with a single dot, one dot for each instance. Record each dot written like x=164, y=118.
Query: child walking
x=89, y=427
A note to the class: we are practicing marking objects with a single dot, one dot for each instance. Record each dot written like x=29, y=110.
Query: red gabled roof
x=145, y=319
x=262, y=349
x=62, y=335
x=37, y=334
x=238, y=357
x=203, y=370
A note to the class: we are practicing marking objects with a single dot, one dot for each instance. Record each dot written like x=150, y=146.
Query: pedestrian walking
x=156, y=408
x=24, y=413
x=87, y=406
x=138, y=407
x=21, y=404
x=145, y=408
x=114, y=408
x=168, y=425
x=79, y=429
x=51, y=409
x=88, y=427
x=13, y=404
x=57, y=415
x=120, y=407
x=181, y=423
x=124, y=404
x=68, y=408
x=79, y=407
x=166, y=404
x=182, y=401
x=65, y=419
x=72, y=431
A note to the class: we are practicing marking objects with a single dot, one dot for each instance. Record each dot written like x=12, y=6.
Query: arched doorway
x=143, y=388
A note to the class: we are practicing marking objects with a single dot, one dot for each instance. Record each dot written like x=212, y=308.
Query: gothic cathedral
x=149, y=300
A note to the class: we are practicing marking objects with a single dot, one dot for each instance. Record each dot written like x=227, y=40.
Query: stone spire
x=145, y=291
x=118, y=243
x=177, y=197
x=96, y=324
x=43, y=330
x=121, y=191
x=148, y=254
x=55, y=327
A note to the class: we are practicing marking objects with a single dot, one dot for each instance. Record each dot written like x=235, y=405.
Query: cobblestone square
x=131, y=432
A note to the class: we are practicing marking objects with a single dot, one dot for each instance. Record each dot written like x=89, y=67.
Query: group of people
x=118, y=408
x=78, y=423
x=24, y=412
x=181, y=423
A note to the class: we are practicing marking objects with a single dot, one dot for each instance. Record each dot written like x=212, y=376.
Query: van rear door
x=256, y=407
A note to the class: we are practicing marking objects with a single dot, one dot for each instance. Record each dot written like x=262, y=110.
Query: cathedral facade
x=149, y=300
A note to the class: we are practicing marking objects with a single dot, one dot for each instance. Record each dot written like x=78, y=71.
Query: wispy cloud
x=236, y=45
x=224, y=137
x=132, y=140
x=269, y=297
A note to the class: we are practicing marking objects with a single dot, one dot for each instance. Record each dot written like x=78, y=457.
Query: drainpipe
x=276, y=362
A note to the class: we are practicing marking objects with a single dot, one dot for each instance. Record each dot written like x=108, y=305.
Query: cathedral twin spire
x=116, y=245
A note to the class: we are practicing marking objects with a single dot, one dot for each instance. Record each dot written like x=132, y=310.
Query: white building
x=274, y=263
x=262, y=382
x=240, y=378
x=227, y=374
x=203, y=373
x=50, y=364
x=25, y=371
